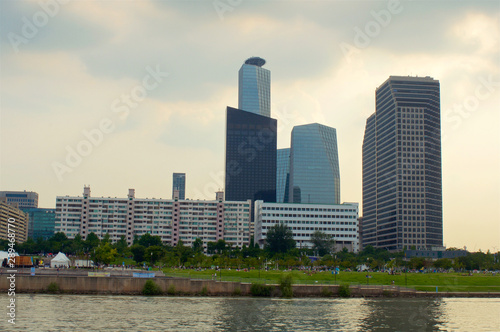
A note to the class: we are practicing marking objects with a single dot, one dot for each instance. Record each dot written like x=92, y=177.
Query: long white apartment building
x=340, y=221
x=170, y=219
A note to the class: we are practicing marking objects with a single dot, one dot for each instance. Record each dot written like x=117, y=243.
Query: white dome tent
x=60, y=261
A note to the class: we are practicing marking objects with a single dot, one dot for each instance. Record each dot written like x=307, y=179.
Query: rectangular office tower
x=179, y=183
x=250, y=156
x=402, y=186
x=282, y=175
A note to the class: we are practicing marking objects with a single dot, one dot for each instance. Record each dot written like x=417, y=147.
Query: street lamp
x=335, y=269
x=151, y=260
x=368, y=271
x=406, y=269
x=259, y=267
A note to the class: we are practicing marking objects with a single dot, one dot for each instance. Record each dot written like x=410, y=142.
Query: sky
x=121, y=94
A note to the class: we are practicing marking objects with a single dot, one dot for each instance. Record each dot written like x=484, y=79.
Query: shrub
x=260, y=290
x=53, y=288
x=171, y=290
x=237, y=291
x=204, y=291
x=286, y=285
x=326, y=292
x=344, y=291
x=151, y=288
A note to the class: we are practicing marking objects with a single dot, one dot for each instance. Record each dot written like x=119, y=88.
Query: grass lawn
x=446, y=282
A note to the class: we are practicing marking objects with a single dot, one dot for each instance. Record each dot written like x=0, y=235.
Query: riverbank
x=124, y=285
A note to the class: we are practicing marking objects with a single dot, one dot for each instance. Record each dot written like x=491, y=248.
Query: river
x=42, y=312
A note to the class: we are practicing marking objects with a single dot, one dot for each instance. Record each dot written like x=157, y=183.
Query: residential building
x=41, y=223
x=254, y=87
x=339, y=221
x=179, y=183
x=24, y=199
x=314, y=165
x=282, y=175
x=11, y=214
x=402, y=180
x=250, y=170
x=170, y=219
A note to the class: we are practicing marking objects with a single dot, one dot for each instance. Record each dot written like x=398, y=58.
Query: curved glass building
x=254, y=87
x=314, y=165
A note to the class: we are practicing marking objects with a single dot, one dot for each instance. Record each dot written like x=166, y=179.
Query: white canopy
x=60, y=260
x=5, y=254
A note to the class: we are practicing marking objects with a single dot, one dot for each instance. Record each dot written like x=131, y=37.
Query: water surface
x=42, y=312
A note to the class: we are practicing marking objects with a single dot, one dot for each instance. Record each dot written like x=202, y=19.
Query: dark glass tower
x=314, y=165
x=179, y=183
x=402, y=184
x=250, y=156
x=282, y=175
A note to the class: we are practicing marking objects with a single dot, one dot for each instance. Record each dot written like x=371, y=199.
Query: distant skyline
x=121, y=95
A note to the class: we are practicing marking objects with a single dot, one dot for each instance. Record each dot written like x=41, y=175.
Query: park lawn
x=449, y=282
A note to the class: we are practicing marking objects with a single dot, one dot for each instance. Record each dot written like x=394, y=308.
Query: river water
x=41, y=312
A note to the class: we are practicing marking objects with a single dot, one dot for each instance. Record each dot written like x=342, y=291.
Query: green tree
x=58, y=242
x=154, y=253
x=92, y=241
x=121, y=246
x=443, y=263
x=106, y=238
x=322, y=243
x=138, y=252
x=105, y=254
x=182, y=253
x=417, y=263
x=279, y=239
x=148, y=240
x=198, y=246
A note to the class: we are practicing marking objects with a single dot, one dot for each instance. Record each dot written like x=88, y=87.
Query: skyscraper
x=402, y=185
x=254, y=87
x=282, y=175
x=250, y=156
x=314, y=165
x=179, y=183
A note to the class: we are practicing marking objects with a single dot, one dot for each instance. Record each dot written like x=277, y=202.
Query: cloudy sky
x=121, y=94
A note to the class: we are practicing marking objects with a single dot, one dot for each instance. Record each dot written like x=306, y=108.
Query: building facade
x=179, y=183
x=282, y=175
x=171, y=220
x=254, y=87
x=11, y=214
x=340, y=221
x=23, y=199
x=41, y=223
x=314, y=165
x=250, y=170
x=402, y=180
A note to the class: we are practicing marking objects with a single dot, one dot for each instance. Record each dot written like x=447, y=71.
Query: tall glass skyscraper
x=250, y=156
x=179, y=183
x=314, y=165
x=282, y=175
x=402, y=185
x=254, y=87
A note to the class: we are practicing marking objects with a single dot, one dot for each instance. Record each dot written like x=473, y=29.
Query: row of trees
x=280, y=249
